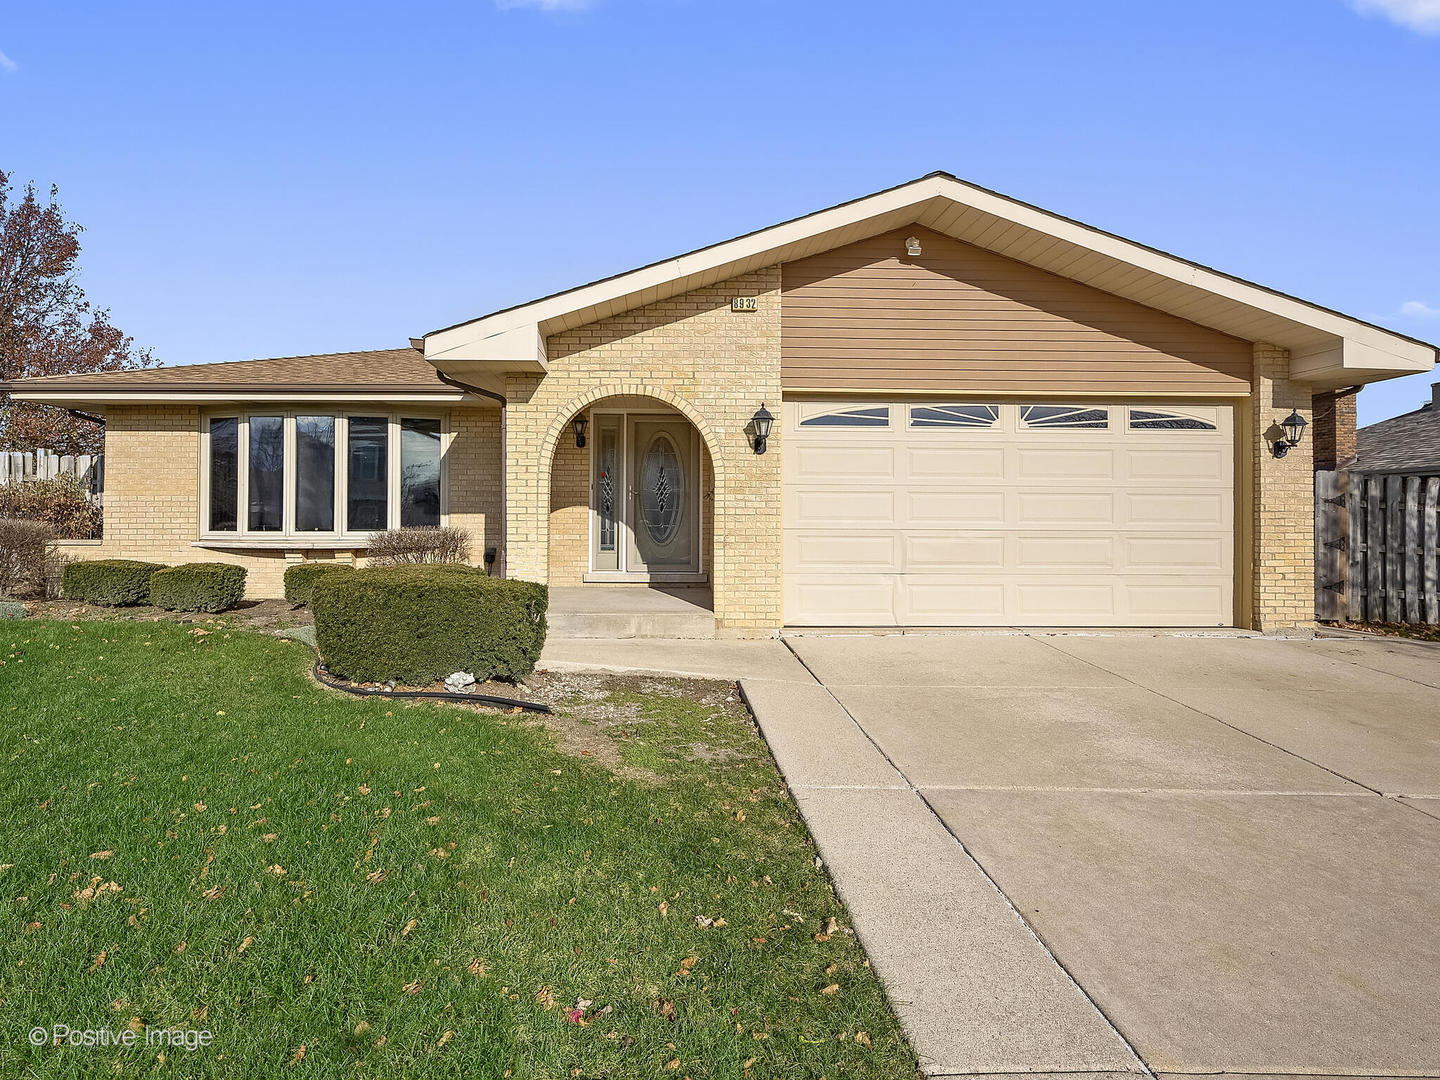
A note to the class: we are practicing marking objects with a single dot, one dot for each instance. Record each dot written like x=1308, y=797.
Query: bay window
x=275, y=475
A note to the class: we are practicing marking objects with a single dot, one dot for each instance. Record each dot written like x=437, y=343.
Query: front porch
x=631, y=611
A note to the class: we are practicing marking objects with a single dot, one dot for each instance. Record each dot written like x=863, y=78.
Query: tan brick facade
x=152, y=496
x=691, y=353
x=152, y=493
x=1283, y=500
x=474, y=473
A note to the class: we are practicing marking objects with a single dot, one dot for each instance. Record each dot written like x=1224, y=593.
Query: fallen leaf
x=101, y=854
x=410, y=926
x=245, y=944
x=862, y=1038
x=361, y=1028
x=444, y=1039
x=99, y=960
x=831, y=990
x=214, y=892
x=299, y=1056
x=664, y=907
x=413, y=987
x=276, y=869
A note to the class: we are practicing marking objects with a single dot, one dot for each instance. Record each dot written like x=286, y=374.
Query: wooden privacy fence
x=1376, y=539
x=17, y=467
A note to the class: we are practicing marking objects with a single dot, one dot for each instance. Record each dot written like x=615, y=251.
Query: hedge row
x=418, y=624
x=300, y=581
x=210, y=587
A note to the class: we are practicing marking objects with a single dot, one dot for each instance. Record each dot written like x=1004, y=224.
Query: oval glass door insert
x=662, y=490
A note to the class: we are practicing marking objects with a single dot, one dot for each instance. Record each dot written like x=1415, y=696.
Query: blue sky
x=272, y=179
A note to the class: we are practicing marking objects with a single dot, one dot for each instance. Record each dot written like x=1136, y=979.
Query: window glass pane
x=1141, y=419
x=366, y=504
x=267, y=473
x=607, y=494
x=1063, y=416
x=314, y=474
x=224, y=474
x=954, y=415
x=876, y=416
x=419, y=472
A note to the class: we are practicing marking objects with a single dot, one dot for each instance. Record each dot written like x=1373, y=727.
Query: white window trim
x=243, y=535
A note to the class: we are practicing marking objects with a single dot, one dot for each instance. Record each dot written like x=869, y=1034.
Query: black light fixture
x=580, y=423
x=1294, y=426
x=762, y=421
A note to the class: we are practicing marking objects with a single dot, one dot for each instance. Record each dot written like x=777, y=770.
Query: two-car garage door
x=1002, y=513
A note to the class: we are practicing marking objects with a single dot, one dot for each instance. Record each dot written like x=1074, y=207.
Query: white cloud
x=1421, y=15
x=1418, y=309
x=6, y=64
x=544, y=5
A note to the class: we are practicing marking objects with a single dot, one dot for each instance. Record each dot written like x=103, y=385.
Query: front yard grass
x=197, y=837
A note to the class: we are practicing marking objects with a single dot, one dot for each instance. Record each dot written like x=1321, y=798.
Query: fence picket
x=18, y=468
x=1355, y=575
x=1412, y=549
x=1394, y=549
x=1431, y=556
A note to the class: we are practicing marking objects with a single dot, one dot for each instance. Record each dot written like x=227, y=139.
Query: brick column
x=1283, y=565
x=1335, y=428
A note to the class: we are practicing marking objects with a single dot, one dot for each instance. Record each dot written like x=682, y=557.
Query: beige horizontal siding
x=957, y=317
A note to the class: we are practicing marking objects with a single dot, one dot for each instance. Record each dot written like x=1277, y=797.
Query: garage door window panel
x=1153, y=420
x=954, y=416
x=1063, y=417
x=862, y=416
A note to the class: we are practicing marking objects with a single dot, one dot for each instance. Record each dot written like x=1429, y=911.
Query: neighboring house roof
x=1409, y=443
x=1328, y=349
x=391, y=372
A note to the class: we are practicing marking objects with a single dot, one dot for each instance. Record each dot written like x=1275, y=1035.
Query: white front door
x=645, y=496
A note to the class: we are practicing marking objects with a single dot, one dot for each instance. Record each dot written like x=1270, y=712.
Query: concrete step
x=622, y=624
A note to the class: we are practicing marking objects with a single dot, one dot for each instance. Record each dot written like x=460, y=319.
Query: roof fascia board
x=75, y=397
x=1404, y=355
x=659, y=274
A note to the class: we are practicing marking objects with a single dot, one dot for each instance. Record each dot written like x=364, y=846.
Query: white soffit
x=1329, y=348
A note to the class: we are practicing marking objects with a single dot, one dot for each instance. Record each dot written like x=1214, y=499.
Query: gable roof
x=1328, y=349
x=1409, y=443
x=392, y=372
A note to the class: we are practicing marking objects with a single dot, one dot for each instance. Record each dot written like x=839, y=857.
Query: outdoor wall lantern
x=1294, y=426
x=580, y=423
x=762, y=421
x=912, y=245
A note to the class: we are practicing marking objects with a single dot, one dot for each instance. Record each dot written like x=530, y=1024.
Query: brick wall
x=1335, y=428
x=152, y=493
x=1283, y=563
x=475, y=474
x=569, y=512
x=716, y=366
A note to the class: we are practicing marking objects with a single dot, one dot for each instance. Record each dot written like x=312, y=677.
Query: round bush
x=300, y=580
x=110, y=582
x=418, y=624
x=210, y=587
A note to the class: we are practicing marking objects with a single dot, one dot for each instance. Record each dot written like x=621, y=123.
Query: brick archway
x=540, y=470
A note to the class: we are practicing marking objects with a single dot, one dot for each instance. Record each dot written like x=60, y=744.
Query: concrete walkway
x=1116, y=854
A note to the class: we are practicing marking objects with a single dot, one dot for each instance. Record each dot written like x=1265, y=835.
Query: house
x=933, y=405
x=1408, y=444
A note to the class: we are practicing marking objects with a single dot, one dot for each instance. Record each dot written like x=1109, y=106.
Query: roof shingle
x=1409, y=443
x=365, y=370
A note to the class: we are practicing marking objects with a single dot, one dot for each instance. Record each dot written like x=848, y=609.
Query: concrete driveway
x=1231, y=845
x=1117, y=854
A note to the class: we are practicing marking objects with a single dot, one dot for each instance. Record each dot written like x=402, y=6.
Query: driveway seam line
x=1218, y=720
x=1014, y=910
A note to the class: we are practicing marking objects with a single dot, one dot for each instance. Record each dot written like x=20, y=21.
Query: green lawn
x=195, y=836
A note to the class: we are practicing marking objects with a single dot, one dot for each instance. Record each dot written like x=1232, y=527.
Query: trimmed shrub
x=60, y=502
x=300, y=580
x=110, y=582
x=210, y=587
x=30, y=563
x=11, y=609
x=424, y=544
x=418, y=624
